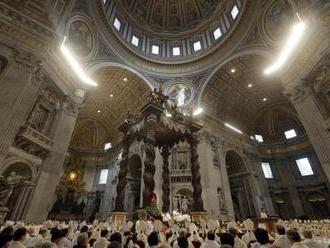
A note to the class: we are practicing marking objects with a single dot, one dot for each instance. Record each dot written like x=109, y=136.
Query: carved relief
x=44, y=111
x=322, y=78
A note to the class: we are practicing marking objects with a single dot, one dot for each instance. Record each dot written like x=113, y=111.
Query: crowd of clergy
x=144, y=234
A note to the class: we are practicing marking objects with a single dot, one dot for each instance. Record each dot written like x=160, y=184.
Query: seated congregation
x=210, y=234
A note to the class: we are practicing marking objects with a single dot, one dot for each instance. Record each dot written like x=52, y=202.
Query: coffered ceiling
x=106, y=106
x=239, y=91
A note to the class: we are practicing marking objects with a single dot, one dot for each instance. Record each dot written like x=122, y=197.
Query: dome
x=172, y=17
x=166, y=33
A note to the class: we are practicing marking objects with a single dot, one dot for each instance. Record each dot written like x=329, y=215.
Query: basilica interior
x=215, y=106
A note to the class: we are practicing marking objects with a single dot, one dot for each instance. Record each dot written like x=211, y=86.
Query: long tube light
x=291, y=43
x=233, y=128
x=75, y=65
x=198, y=111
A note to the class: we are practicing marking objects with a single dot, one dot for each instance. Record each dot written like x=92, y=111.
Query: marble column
x=122, y=181
x=166, y=180
x=44, y=194
x=313, y=121
x=19, y=83
x=195, y=174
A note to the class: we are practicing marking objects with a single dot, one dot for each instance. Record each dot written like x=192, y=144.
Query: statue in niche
x=9, y=189
x=184, y=205
x=39, y=118
x=221, y=197
x=322, y=79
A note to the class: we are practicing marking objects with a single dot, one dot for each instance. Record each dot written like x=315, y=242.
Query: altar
x=159, y=125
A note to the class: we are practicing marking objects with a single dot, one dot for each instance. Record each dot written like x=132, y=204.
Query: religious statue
x=322, y=79
x=184, y=205
x=152, y=211
x=7, y=186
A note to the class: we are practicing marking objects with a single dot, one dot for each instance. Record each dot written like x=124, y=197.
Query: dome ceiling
x=172, y=16
x=229, y=97
x=161, y=34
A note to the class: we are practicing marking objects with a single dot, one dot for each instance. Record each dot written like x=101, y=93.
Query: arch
x=251, y=51
x=234, y=160
x=239, y=184
x=134, y=196
x=318, y=204
x=134, y=166
x=99, y=64
x=19, y=163
x=316, y=197
x=183, y=200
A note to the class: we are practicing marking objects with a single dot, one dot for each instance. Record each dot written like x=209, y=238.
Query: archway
x=18, y=180
x=318, y=205
x=183, y=201
x=239, y=185
x=133, y=196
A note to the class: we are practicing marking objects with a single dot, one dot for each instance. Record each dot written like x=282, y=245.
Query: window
x=107, y=146
x=197, y=46
x=135, y=41
x=234, y=12
x=155, y=49
x=217, y=33
x=117, y=24
x=176, y=51
x=267, y=170
x=290, y=134
x=259, y=138
x=103, y=176
x=304, y=167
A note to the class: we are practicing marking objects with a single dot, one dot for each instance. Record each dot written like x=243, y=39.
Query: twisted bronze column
x=149, y=165
x=121, y=186
x=166, y=179
x=195, y=174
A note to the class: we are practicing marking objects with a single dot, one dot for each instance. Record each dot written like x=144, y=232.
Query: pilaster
x=313, y=121
x=19, y=82
x=43, y=196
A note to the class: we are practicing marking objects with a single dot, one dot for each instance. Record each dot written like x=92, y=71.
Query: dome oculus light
x=135, y=41
x=217, y=33
x=234, y=12
x=197, y=46
x=290, y=134
x=176, y=51
x=155, y=49
x=117, y=24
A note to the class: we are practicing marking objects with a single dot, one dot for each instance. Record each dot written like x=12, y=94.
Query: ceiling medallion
x=180, y=93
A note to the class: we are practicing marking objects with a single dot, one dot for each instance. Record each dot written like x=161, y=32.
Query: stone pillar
x=259, y=187
x=149, y=163
x=166, y=180
x=122, y=181
x=295, y=200
x=19, y=84
x=44, y=194
x=195, y=174
x=313, y=121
